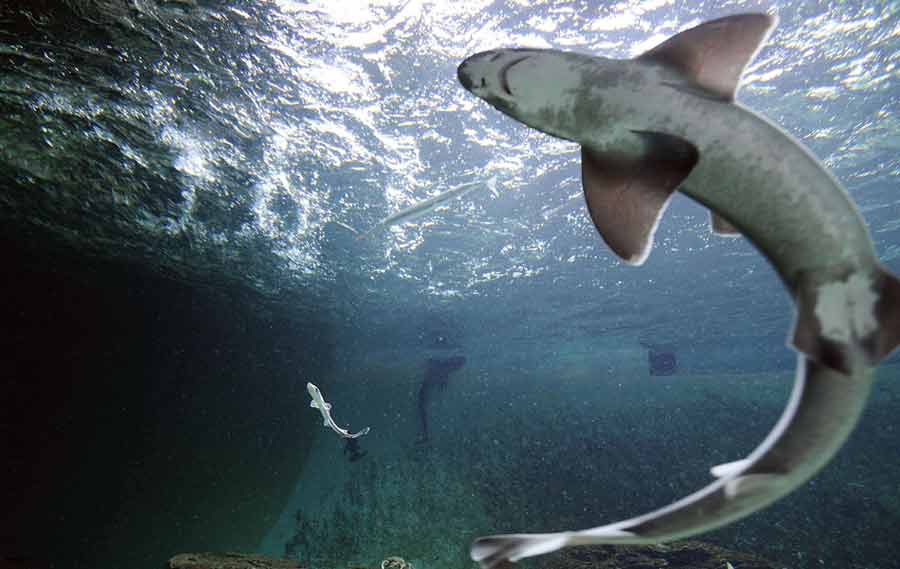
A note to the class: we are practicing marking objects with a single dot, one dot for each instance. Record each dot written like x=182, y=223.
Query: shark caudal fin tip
x=497, y=551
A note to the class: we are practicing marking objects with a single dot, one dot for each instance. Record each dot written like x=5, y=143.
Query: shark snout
x=485, y=73
x=464, y=75
x=473, y=73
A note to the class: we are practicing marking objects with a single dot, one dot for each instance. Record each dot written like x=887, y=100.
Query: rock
x=396, y=563
x=679, y=555
x=229, y=561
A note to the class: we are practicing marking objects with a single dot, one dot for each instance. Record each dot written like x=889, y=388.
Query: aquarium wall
x=142, y=416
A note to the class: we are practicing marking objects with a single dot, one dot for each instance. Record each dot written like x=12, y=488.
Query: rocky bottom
x=681, y=555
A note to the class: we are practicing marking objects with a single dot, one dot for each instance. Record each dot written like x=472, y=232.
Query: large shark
x=667, y=120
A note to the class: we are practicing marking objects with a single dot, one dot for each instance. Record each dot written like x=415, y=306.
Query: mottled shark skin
x=318, y=402
x=667, y=121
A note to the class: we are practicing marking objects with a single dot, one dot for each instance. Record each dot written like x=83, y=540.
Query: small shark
x=318, y=402
x=427, y=205
x=667, y=120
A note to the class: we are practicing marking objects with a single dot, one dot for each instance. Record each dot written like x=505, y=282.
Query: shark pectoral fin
x=845, y=315
x=713, y=55
x=313, y=404
x=627, y=196
x=327, y=406
x=721, y=226
x=729, y=468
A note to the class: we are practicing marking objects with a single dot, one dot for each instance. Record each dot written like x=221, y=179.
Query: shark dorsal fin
x=713, y=55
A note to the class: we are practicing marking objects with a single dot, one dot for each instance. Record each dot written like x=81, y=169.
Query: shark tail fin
x=359, y=434
x=498, y=550
x=837, y=317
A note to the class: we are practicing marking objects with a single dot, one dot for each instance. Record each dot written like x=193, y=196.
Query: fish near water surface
x=665, y=121
x=427, y=205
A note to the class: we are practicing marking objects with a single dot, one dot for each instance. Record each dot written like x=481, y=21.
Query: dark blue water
x=181, y=190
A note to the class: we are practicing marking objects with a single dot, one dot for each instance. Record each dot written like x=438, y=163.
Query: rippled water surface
x=242, y=141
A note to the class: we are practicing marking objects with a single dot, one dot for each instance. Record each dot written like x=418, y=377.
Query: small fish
x=318, y=402
x=345, y=226
x=666, y=121
x=425, y=206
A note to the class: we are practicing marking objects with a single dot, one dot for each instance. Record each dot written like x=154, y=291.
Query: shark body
x=318, y=402
x=667, y=120
x=437, y=375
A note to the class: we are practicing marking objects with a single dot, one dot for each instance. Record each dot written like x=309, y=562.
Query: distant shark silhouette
x=667, y=120
x=661, y=358
x=437, y=374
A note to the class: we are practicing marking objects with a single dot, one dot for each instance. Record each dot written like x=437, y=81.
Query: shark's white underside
x=317, y=401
